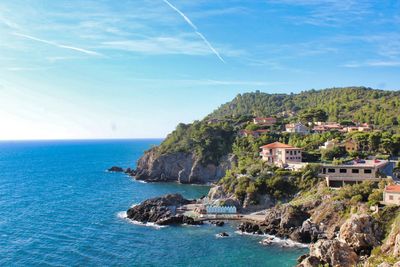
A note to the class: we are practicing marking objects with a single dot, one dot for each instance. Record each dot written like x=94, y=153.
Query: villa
x=269, y=121
x=281, y=155
x=296, y=128
x=322, y=127
x=353, y=172
x=391, y=194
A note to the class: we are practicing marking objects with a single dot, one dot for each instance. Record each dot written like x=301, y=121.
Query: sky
x=89, y=69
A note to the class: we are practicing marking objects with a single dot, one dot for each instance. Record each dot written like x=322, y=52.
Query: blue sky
x=131, y=69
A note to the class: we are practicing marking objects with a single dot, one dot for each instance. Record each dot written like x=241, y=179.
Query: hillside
x=361, y=104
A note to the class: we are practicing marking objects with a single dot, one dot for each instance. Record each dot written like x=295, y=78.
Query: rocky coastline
x=186, y=168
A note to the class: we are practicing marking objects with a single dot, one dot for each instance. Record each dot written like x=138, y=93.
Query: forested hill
x=378, y=107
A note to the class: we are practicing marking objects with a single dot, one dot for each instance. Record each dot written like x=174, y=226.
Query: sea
x=60, y=207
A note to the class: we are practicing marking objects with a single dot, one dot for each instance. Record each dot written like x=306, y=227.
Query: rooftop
x=392, y=188
x=363, y=163
x=278, y=145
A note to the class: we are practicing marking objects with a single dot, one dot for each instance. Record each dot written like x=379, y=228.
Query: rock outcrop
x=180, y=167
x=115, y=169
x=161, y=210
x=362, y=233
x=331, y=252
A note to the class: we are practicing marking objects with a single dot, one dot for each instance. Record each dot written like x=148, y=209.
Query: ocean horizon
x=60, y=207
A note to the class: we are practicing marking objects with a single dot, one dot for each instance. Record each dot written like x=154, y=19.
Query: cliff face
x=180, y=167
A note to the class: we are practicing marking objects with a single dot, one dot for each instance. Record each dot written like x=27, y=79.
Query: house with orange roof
x=391, y=194
x=280, y=154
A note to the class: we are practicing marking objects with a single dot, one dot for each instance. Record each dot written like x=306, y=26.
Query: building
x=280, y=154
x=322, y=127
x=350, y=146
x=256, y=133
x=330, y=144
x=353, y=172
x=391, y=194
x=296, y=128
x=265, y=121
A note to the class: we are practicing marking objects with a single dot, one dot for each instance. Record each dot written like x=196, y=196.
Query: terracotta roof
x=278, y=145
x=392, y=188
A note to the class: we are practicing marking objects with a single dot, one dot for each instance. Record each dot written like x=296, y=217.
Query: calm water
x=58, y=207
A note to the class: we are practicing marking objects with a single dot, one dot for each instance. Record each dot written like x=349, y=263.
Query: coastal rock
x=361, y=232
x=310, y=261
x=130, y=172
x=396, y=249
x=223, y=234
x=285, y=221
x=116, y=169
x=180, y=167
x=160, y=210
x=331, y=252
x=250, y=228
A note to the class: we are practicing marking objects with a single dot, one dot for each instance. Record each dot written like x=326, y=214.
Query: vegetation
x=209, y=142
x=348, y=104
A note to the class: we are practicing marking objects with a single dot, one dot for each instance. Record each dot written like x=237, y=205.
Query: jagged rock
x=310, y=261
x=249, y=228
x=285, y=221
x=160, y=210
x=361, y=232
x=219, y=223
x=181, y=167
x=396, y=249
x=115, y=169
x=130, y=172
x=223, y=234
x=384, y=264
x=332, y=252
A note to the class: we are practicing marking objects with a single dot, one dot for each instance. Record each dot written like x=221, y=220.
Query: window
x=367, y=171
x=390, y=197
x=295, y=152
x=355, y=170
x=343, y=171
x=331, y=170
x=291, y=152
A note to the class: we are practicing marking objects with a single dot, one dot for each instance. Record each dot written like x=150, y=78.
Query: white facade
x=297, y=128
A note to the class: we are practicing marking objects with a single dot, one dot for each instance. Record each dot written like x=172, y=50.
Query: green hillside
x=213, y=137
x=378, y=107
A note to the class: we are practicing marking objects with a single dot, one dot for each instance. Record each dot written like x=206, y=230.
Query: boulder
x=361, y=232
x=310, y=261
x=396, y=248
x=332, y=252
x=160, y=210
x=249, y=228
x=223, y=234
x=116, y=169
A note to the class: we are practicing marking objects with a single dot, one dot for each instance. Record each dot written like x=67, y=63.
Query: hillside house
x=391, y=195
x=297, y=128
x=269, y=121
x=353, y=172
x=322, y=127
x=280, y=154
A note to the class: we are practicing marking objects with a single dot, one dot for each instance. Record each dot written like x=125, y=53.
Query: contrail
x=57, y=44
x=195, y=29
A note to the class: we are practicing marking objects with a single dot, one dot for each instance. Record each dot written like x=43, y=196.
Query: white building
x=297, y=128
x=330, y=144
x=280, y=154
x=391, y=195
x=353, y=172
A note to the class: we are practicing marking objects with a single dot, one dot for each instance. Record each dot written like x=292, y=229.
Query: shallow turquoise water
x=58, y=207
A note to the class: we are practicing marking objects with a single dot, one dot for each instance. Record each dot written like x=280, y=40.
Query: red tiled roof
x=393, y=188
x=278, y=145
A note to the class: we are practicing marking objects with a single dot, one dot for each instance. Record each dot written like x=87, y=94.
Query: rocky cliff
x=180, y=167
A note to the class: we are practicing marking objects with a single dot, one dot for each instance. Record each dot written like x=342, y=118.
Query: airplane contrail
x=194, y=27
x=57, y=44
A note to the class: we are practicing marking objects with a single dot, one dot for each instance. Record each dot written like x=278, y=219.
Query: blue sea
x=59, y=207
